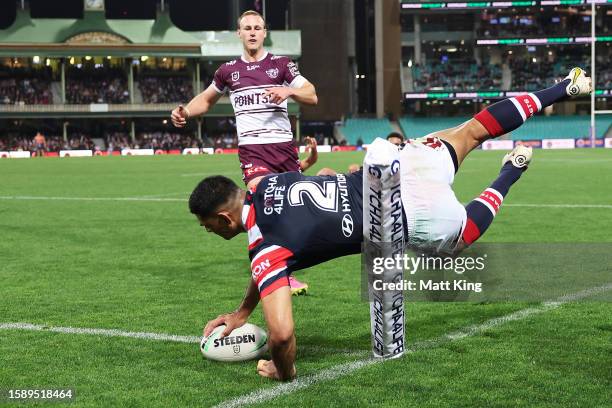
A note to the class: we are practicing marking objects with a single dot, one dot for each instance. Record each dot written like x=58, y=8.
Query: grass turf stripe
x=342, y=370
x=183, y=200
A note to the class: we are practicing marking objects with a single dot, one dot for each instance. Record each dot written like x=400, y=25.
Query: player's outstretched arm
x=199, y=105
x=279, y=319
x=313, y=155
x=239, y=316
x=305, y=95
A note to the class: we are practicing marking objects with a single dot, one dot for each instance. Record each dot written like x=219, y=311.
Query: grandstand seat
x=556, y=127
x=418, y=127
x=541, y=127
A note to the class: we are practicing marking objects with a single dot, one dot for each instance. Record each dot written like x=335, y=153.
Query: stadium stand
x=533, y=24
x=358, y=131
x=541, y=127
x=414, y=127
x=165, y=141
x=25, y=86
x=456, y=75
x=54, y=143
x=469, y=76
x=165, y=89
x=96, y=85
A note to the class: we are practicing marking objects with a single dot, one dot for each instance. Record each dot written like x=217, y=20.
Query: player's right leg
x=507, y=115
x=481, y=211
x=437, y=221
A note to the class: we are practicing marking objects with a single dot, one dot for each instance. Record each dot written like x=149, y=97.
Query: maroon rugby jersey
x=258, y=121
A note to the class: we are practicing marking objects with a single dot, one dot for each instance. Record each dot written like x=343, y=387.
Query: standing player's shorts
x=435, y=218
x=261, y=159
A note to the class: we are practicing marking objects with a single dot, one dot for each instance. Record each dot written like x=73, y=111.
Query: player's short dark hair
x=251, y=13
x=395, y=134
x=210, y=194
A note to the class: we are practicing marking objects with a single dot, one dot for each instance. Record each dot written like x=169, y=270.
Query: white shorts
x=434, y=216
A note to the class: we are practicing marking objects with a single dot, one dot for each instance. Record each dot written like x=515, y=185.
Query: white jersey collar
x=250, y=62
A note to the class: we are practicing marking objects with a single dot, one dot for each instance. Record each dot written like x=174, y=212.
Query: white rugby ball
x=244, y=343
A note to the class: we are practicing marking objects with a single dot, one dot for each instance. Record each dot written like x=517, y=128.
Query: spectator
x=96, y=85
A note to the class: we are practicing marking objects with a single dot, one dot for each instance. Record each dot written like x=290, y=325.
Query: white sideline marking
x=163, y=195
x=198, y=174
x=93, y=198
x=100, y=332
x=342, y=370
x=157, y=198
x=150, y=336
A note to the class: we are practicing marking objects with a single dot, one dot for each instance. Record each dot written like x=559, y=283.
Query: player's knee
x=476, y=131
x=281, y=337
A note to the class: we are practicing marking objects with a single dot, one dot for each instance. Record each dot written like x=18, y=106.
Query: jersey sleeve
x=291, y=73
x=269, y=268
x=219, y=80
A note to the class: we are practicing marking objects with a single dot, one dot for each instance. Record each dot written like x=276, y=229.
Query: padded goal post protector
x=383, y=237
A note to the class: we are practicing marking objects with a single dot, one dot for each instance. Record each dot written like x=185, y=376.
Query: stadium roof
x=95, y=35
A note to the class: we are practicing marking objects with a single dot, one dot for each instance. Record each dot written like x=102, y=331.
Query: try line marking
x=183, y=200
x=150, y=336
x=341, y=370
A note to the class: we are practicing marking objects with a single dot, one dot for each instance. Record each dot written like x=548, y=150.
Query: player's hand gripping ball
x=247, y=342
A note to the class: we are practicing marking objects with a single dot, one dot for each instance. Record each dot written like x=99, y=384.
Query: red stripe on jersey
x=528, y=104
x=255, y=243
x=489, y=122
x=262, y=265
x=492, y=199
x=250, y=221
x=284, y=281
x=471, y=232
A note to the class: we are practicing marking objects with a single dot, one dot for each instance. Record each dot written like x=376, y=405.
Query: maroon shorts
x=261, y=159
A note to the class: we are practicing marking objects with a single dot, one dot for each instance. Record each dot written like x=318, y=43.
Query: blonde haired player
x=259, y=84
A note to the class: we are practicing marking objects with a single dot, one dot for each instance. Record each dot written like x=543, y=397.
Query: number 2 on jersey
x=324, y=197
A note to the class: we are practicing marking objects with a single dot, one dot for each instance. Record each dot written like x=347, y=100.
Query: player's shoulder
x=279, y=59
x=231, y=63
x=227, y=66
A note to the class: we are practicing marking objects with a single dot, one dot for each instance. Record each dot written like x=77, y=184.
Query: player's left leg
x=509, y=114
x=482, y=210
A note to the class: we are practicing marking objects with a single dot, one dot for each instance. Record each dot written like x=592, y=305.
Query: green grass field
x=75, y=252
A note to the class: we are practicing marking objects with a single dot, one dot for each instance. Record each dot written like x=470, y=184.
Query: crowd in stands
x=27, y=86
x=225, y=140
x=162, y=89
x=540, y=73
x=165, y=141
x=99, y=85
x=525, y=73
x=456, y=75
x=543, y=71
x=534, y=25
x=76, y=141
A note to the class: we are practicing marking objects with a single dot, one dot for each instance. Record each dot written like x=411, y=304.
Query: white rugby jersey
x=257, y=120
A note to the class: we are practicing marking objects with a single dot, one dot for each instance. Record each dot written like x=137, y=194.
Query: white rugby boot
x=520, y=156
x=580, y=84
